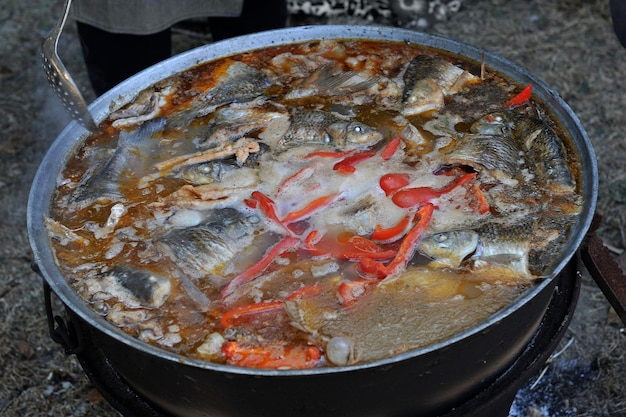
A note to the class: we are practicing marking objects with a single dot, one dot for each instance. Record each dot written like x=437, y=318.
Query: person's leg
x=111, y=58
x=256, y=16
x=618, y=14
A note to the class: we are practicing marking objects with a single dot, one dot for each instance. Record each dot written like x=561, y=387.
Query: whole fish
x=104, y=183
x=317, y=127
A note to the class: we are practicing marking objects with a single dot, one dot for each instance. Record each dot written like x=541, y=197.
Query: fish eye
x=358, y=129
x=440, y=238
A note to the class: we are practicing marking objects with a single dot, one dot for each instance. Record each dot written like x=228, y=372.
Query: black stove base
x=494, y=401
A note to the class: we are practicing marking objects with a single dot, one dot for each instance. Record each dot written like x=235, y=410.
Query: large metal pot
x=427, y=381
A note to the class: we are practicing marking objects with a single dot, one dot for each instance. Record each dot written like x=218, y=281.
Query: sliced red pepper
x=304, y=173
x=350, y=291
x=407, y=247
x=234, y=313
x=271, y=356
x=390, y=183
x=347, y=164
x=409, y=244
x=414, y=197
x=251, y=203
x=520, y=98
x=479, y=202
x=309, y=209
x=393, y=233
x=258, y=268
x=268, y=207
x=328, y=154
x=390, y=149
x=304, y=292
x=354, y=247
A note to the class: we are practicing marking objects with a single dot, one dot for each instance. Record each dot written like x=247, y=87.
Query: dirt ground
x=567, y=43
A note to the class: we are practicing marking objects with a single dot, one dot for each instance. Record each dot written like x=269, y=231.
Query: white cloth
x=143, y=17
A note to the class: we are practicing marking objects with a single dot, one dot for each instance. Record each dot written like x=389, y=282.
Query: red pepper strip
x=268, y=208
x=251, y=203
x=390, y=149
x=392, y=233
x=347, y=164
x=409, y=244
x=480, y=203
x=309, y=209
x=390, y=183
x=351, y=291
x=257, y=269
x=304, y=173
x=407, y=247
x=304, y=292
x=413, y=197
x=521, y=98
x=328, y=154
x=272, y=356
x=354, y=248
x=234, y=313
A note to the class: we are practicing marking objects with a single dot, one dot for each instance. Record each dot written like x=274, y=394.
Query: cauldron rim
x=74, y=134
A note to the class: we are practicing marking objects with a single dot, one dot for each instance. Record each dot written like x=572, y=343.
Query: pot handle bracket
x=607, y=274
x=62, y=331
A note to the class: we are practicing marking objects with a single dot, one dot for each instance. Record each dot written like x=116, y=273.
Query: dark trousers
x=111, y=58
x=618, y=14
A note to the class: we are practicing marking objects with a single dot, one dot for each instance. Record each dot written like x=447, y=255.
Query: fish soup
x=317, y=204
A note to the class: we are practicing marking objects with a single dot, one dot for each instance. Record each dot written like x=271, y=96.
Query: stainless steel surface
x=59, y=77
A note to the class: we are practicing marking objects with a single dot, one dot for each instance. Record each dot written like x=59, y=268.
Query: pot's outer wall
x=428, y=379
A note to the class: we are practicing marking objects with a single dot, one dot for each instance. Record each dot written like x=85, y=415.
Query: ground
x=569, y=44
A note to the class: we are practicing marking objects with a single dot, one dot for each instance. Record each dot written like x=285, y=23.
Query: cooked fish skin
x=498, y=154
x=150, y=289
x=427, y=80
x=330, y=80
x=103, y=184
x=547, y=153
x=239, y=83
x=319, y=127
x=207, y=247
x=449, y=249
x=238, y=120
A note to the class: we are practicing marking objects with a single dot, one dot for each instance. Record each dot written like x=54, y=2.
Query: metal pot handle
x=602, y=266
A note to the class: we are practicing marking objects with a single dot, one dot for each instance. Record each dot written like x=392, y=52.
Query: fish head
x=449, y=248
x=348, y=134
x=493, y=124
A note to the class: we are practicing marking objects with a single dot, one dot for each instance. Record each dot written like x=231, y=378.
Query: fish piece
x=238, y=120
x=235, y=82
x=317, y=127
x=329, y=80
x=206, y=248
x=103, y=185
x=547, y=153
x=409, y=313
x=499, y=155
x=146, y=106
x=449, y=249
x=427, y=80
x=132, y=287
x=503, y=249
